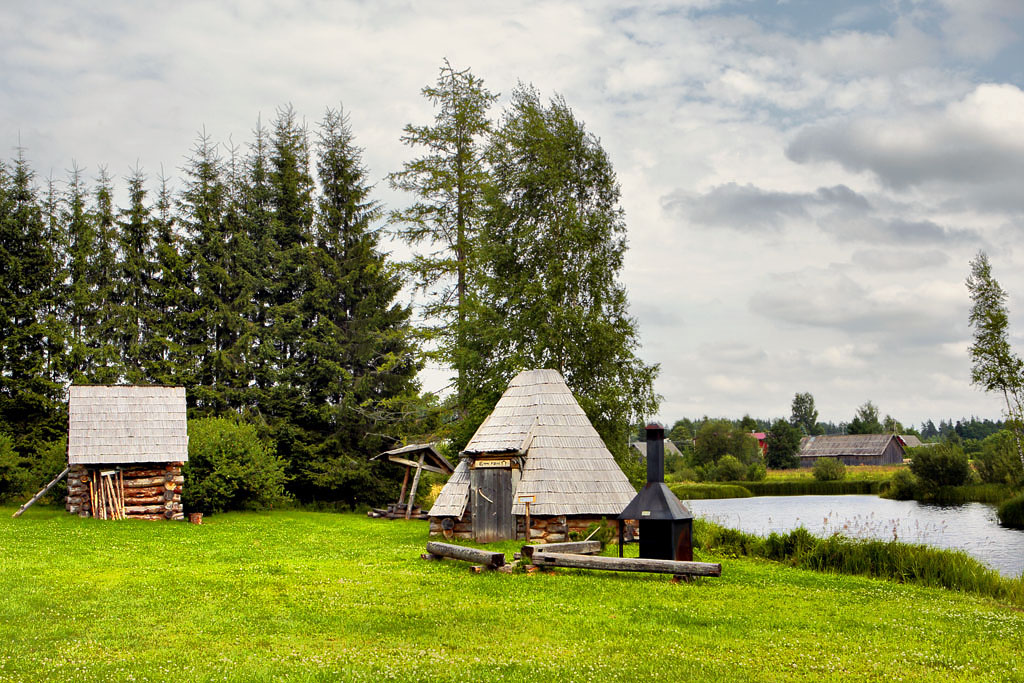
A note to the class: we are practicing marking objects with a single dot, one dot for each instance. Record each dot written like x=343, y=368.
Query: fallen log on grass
x=627, y=564
x=486, y=558
x=573, y=548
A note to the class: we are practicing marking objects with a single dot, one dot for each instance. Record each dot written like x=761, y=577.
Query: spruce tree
x=448, y=182
x=553, y=244
x=80, y=234
x=103, y=334
x=135, y=275
x=31, y=407
x=357, y=362
x=170, y=297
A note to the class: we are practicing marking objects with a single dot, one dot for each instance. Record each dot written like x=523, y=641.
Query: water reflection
x=973, y=527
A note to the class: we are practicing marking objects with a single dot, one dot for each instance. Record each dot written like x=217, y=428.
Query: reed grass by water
x=709, y=491
x=902, y=562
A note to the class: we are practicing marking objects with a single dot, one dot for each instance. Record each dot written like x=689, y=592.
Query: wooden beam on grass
x=572, y=548
x=627, y=564
x=487, y=558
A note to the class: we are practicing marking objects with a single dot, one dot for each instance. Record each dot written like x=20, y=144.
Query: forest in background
x=261, y=286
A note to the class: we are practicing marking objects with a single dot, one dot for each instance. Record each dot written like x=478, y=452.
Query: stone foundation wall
x=462, y=528
x=150, y=490
x=556, y=529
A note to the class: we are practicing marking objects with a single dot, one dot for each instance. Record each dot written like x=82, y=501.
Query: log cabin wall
x=152, y=491
x=462, y=528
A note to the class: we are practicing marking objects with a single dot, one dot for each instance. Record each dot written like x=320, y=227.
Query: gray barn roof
x=670, y=448
x=119, y=424
x=567, y=469
x=844, y=444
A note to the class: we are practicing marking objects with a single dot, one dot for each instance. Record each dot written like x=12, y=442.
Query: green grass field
x=320, y=596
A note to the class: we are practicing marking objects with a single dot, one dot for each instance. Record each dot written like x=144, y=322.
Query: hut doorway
x=492, y=485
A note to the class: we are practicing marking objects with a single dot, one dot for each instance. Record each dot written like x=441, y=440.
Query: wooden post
x=42, y=493
x=415, y=483
x=92, y=497
x=120, y=492
x=527, y=521
x=405, y=483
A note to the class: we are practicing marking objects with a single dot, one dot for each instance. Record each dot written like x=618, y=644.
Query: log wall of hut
x=461, y=528
x=151, y=490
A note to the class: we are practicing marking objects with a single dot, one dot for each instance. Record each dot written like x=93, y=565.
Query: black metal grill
x=665, y=525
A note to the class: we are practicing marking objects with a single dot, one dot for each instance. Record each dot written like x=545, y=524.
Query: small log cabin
x=126, y=448
x=536, y=469
x=852, y=449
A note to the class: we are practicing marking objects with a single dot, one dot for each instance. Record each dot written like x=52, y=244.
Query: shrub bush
x=1011, y=513
x=829, y=469
x=728, y=468
x=705, y=491
x=229, y=468
x=13, y=473
x=756, y=472
x=942, y=465
x=902, y=486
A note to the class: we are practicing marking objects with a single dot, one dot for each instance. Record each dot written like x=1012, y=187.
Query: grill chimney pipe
x=655, y=453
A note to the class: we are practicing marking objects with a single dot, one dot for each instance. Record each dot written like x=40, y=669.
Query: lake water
x=973, y=527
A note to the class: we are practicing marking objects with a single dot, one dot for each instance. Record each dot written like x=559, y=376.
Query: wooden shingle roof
x=452, y=500
x=126, y=424
x=567, y=469
x=844, y=444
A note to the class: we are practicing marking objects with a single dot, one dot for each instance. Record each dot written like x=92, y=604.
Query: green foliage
x=230, y=468
x=803, y=415
x=866, y=421
x=728, y=468
x=1011, y=512
x=941, y=465
x=448, y=182
x=716, y=438
x=756, y=471
x=996, y=462
x=14, y=474
x=552, y=246
x=903, y=486
x=829, y=469
x=707, y=491
x=994, y=365
x=784, y=443
x=602, y=532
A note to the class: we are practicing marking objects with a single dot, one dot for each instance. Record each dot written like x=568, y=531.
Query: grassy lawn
x=877, y=473
x=319, y=596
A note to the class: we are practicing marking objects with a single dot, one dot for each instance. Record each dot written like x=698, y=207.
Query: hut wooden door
x=491, y=490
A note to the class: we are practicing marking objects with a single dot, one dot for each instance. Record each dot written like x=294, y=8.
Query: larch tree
x=552, y=248
x=995, y=367
x=448, y=181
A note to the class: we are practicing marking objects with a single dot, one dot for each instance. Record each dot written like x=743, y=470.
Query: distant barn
x=536, y=468
x=126, y=447
x=852, y=449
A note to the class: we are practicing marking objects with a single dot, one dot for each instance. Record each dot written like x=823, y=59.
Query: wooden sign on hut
x=126, y=447
x=535, y=469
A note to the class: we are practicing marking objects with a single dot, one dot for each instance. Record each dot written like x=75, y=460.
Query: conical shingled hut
x=536, y=455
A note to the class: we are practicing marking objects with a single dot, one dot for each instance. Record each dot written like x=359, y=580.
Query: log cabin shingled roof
x=567, y=469
x=126, y=424
x=844, y=444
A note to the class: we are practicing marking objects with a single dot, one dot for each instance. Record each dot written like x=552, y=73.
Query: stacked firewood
x=143, y=491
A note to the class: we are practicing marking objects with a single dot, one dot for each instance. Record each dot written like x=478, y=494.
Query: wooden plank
x=461, y=552
x=42, y=493
x=628, y=564
x=572, y=547
x=491, y=497
x=412, y=463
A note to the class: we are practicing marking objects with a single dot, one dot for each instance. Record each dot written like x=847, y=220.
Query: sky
x=804, y=182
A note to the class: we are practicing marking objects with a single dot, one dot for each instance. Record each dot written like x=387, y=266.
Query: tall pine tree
x=358, y=365
x=103, y=335
x=133, y=285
